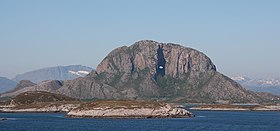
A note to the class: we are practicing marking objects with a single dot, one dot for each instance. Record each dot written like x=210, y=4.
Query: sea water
x=203, y=120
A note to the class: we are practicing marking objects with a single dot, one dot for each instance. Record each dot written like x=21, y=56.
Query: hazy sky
x=240, y=36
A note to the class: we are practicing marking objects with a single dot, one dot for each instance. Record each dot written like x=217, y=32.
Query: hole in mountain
x=160, y=69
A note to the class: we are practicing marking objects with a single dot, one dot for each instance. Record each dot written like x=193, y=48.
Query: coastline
x=103, y=109
x=128, y=117
x=233, y=107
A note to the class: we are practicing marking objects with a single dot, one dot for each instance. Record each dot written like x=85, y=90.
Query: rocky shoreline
x=165, y=111
x=104, y=109
x=45, y=108
x=219, y=107
x=37, y=102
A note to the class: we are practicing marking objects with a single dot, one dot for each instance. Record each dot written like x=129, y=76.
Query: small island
x=39, y=101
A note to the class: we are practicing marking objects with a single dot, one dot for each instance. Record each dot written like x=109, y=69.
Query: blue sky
x=240, y=36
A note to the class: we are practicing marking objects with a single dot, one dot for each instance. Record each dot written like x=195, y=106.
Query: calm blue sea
x=204, y=120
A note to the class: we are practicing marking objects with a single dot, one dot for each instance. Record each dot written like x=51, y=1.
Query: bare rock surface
x=128, y=109
x=83, y=88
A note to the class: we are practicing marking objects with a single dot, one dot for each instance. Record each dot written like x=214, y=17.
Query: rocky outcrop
x=180, y=61
x=57, y=107
x=134, y=68
x=83, y=88
x=128, y=109
x=162, y=71
x=221, y=87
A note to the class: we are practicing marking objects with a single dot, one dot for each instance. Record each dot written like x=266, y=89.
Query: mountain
x=24, y=83
x=259, y=85
x=6, y=84
x=55, y=73
x=160, y=71
x=25, y=86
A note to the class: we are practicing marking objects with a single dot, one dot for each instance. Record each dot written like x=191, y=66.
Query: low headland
x=237, y=107
x=48, y=102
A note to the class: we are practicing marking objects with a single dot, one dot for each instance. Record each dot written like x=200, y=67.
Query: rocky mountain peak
x=142, y=55
x=149, y=69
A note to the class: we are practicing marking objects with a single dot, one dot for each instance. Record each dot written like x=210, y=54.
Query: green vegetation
x=90, y=99
x=144, y=71
x=40, y=96
x=128, y=50
x=171, y=86
x=116, y=79
x=100, y=76
x=135, y=83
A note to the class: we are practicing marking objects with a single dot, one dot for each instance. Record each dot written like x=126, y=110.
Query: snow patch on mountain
x=256, y=82
x=240, y=78
x=79, y=73
x=271, y=85
x=269, y=82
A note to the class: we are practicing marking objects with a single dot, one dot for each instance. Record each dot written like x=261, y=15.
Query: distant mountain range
x=259, y=85
x=6, y=84
x=51, y=73
x=54, y=73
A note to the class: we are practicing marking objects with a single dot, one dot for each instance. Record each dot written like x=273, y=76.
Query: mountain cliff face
x=138, y=70
x=162, y=71
x=55, y=73
x=87, y=87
